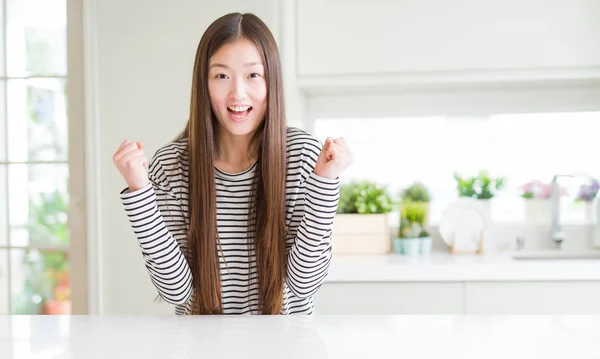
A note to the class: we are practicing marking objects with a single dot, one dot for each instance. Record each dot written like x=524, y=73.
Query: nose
x=238, y=90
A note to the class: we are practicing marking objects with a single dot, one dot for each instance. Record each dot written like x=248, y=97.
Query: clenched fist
x=335, y=157
x=132, y=162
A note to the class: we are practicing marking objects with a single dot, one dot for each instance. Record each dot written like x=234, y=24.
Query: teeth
x=239, y=108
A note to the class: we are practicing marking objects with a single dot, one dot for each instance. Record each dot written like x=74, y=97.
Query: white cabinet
x=389, y=298
x=532, y=298
x=432, y=41
x=482, y=298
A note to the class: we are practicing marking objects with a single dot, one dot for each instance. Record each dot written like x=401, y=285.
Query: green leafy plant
x=416, y=192
x=412, y=220
x=364, y=197
x=481, y=186
x=46, y=271
x=48, y=219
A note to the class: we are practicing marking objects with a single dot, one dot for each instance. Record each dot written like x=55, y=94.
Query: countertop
x=458, y=267
x=289, y=337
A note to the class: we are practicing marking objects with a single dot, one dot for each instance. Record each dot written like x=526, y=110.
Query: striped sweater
x=158, y=215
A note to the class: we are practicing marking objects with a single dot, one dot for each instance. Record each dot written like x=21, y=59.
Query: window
x=520, y=147
x=34, y=168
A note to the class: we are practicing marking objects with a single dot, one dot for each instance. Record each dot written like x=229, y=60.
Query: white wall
x=360, y=44
x=413, y=36
x=145, y=54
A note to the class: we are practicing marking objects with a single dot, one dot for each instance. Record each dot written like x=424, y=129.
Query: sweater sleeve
x=310, y=255
x=150, y=213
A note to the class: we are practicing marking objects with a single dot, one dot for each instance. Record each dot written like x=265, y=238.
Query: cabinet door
x=532, y=298
x=390, y=298
x=423, y=38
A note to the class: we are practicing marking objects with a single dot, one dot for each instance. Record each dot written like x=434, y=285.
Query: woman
x=234, y=216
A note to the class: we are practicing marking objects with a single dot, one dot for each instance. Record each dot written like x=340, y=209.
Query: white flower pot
x=596, y=223
x=538, y=211
x=589, y=212
x=486, y=205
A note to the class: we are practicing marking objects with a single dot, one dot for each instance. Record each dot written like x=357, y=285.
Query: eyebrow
x=247, y=64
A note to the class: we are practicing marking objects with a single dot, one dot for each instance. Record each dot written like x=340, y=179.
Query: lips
x=239, y=113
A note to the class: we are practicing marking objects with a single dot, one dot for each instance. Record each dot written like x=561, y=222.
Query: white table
x=299, y=337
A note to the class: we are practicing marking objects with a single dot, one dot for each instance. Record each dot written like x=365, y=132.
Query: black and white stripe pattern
x=158, y=217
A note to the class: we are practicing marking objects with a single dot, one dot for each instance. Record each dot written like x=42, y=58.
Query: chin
x=244, y=128
x=241, y=128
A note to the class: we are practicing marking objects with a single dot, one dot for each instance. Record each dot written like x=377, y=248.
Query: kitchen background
x=506, y=91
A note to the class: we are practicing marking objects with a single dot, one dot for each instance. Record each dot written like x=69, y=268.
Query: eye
x=221, y=76
x=254, y=75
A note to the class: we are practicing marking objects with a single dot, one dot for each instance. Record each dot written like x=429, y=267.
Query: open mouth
x=239, y=112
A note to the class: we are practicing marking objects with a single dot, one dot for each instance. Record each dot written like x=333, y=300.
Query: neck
x=234, y=151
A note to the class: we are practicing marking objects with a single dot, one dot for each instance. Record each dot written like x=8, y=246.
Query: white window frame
x=77, y=220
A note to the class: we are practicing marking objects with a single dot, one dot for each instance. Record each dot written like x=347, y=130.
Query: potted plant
x=417, y=192
x=46, y=287
x=361, y=224
x=586, y=195
x=538, y=205
x=412, y=237
x=60, y=302
x=482, y=187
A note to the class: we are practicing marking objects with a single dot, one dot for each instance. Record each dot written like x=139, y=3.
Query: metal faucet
x=556, y=233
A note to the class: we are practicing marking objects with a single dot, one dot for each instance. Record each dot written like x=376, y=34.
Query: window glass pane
x=36, y=37
x=521, y=147
x=38, y=200
x=3, y=207
x=40, y=282
x=37, y=120
x=4, y=293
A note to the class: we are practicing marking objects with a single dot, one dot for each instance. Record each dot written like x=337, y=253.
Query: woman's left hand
x=334, y=158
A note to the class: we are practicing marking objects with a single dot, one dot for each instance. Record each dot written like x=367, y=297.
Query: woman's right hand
x=132, y=162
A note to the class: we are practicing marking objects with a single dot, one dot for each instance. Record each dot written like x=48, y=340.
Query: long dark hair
x=269, y=183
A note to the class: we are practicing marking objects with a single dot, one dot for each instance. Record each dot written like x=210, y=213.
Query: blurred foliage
x=46, y=272
x=364, y=197
x=481, y=186
x=413, y=217
x=416, y=192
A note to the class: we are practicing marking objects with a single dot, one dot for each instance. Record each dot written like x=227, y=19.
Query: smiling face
x=238, y=88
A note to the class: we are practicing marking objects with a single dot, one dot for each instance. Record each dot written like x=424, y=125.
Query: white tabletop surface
x=458, y=267
x=263, y=337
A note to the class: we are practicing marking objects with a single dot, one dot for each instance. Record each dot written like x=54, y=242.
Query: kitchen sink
x=555, y=254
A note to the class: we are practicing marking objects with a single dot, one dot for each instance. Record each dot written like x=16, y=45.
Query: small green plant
x=481, y=186
x=46, y=272
x=416, y=192
x=412, y=220
x=412, y=230
x=364, y=197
